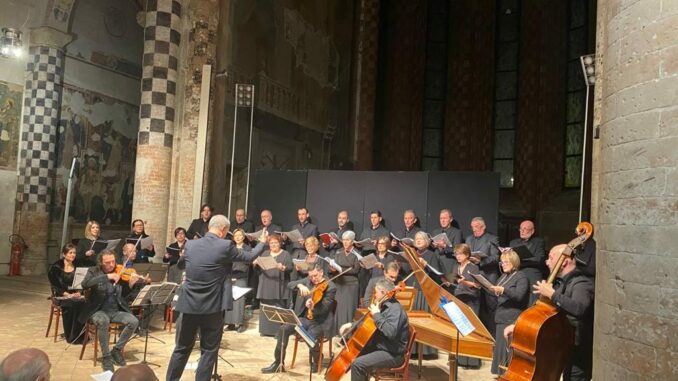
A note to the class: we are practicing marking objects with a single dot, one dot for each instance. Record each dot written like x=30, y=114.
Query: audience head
x=266, y=217
x=510, y=261
x=526, y=229
x=106, y=260
x=134, y=372
x=409, y=218
x=68, y=252
x=478, y=226
x=28, y=364
x=219, y=225
x=342, y=218
x=138, y=227
x=445, y=218
x=240, y=215
x=375, y=218
x=92, y=230
x=302, y=215
x=206, y=212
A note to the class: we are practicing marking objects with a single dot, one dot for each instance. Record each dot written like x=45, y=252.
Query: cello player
x=388, y=345
x=573, y=293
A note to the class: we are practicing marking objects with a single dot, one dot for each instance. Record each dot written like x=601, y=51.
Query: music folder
x=442, y=237
x=302, y=264
x=266, y=263
x=327, y=238
x=523, y=253
x=141, y=243
x=369, y=261
x=483, y=281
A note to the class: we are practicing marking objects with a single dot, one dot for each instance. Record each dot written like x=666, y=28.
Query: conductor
x=205, y=296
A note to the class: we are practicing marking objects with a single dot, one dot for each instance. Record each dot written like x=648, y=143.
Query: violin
x=543, y=337
x=126, y=273
x=319, y=290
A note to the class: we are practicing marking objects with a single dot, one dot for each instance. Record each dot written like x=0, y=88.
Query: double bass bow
x=543, y=337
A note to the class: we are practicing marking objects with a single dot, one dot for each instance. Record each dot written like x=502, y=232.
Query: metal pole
x=67, y=207
x=583, y=157
x=235, y=121
x=249, y=154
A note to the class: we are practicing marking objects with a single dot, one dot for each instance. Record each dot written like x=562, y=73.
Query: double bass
x=365, y=329
x=543, y=337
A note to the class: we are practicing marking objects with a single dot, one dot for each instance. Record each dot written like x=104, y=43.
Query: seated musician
x=573, y=293
x=315, y=324
x=388, y=345
x=390, y=272
x=107, y=304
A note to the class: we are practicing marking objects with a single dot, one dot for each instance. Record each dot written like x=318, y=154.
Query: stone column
x=156, y=117
x=365, y=58
x=37, y=150
x=636, y=323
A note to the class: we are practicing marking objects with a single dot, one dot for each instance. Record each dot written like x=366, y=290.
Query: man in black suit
x=198, y=227
x=316, y=326
x=107, y=304
x=205, y=295
x=532, y=267
x=241, y=221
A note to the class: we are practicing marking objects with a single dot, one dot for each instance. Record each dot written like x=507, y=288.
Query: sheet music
x=266, y=263
x=332, y=263
x=302, y=264
x=105, y=376
x=433, y=269
x=78, y=277
x=112, y=244
x=254, y=236
x=458, y=318
x=355, y=252
x=239, y=292
x=327, y=238
x=369, y=261
x=293, y=235
x=442, y=237
x=483, y=281
x=363, y=242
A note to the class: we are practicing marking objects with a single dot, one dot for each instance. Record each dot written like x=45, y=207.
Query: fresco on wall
x=101, y=133
x=10, y=114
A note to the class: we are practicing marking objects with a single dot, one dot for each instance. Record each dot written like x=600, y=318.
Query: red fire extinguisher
x=18, y=246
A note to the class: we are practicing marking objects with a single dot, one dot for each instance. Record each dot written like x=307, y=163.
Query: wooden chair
x=114, y=329
x=403, y=371
x=321, y=340
x=54, y=312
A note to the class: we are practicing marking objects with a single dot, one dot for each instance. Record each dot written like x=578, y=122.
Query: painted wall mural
x=10, y=115
x=101, y=133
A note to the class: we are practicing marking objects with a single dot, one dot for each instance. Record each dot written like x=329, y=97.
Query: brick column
x=156, y=116
x=365, y=79
x=636, y=192
x=37, y=150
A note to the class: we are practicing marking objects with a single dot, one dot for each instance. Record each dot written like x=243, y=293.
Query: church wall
x=635, y=198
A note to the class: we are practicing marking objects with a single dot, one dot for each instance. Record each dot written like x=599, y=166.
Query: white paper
x=302, y=264
x=435, y=271
x=239, y=292
x=78, y=277
x=332, y=263
x=112, y=244
x=293, y=235
x=354, y=252
x=442, y=237
x=105, y=376
x=458, y=318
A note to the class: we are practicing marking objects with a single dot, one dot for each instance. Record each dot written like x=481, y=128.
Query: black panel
x=392, y=193
x=283, y=192
x=467, y=194
x=328, y=192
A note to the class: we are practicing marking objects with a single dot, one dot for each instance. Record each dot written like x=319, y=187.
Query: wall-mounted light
x=588, y=66
x=10, y=43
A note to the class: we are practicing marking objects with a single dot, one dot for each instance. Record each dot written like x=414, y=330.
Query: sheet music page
x=433, y=269
x=483, y=281
x=302, y=264
x=112, y=243
x=442, y=237
x=332, y=263
x=458, y=318
x=266, y=263
x=78, y=277
x=369, y=261
x=239, y=292
x=105, y=376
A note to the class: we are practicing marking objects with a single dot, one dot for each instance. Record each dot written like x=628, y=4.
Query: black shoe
x=274, y=367
x=242, y=328
x=107, y=363
x=118, y=359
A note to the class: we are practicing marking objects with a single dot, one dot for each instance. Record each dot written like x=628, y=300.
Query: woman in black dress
x=347, y=296
x=60, y=277
x=467, y=291
x=138, y=232
x=272, y=287
x=172, y=255
x=235, y=318
x=384, y=257
x=85, y=254
x=512, y=291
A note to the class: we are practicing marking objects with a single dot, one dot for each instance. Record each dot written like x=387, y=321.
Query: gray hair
x=28, y=364
x=478, y=219
x=219, y=222
x=348, y=234
x=423, y=235
x=384, y=285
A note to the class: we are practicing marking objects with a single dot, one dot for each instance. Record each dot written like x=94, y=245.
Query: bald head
x=568, y=264
x=136, y=372
x=28, y=364
x=526, y=229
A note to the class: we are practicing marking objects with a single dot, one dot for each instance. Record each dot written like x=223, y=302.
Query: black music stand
x=283, y=316
x=461, y=323
x=153, y=295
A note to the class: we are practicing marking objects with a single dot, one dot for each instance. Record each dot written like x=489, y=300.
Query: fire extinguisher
x=18, y=246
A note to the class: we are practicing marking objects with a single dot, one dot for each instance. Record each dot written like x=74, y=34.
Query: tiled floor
x=23, y=320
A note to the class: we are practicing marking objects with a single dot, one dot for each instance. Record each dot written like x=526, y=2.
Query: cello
x=543, y=337
x=365, y=329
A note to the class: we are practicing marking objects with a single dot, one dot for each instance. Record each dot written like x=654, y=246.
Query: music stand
x=461, y=323
x=149, y=296
x=282, y=316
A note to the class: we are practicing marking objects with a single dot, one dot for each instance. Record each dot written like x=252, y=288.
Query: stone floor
x=23, y=321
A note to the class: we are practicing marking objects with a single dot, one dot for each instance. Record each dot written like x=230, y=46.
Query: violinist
x=388, y=345
x=572, y=292
x=107, y=305
x=313, y=306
